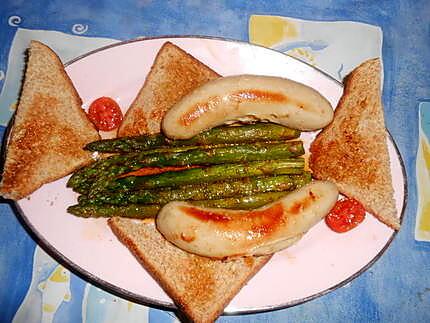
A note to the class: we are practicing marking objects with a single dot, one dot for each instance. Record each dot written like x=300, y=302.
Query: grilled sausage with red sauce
x=221, y=233
x=247, y=98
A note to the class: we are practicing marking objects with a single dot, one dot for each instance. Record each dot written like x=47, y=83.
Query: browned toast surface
x=352, y=151
x=199, y=286
x=174, y=74
x=50, y=128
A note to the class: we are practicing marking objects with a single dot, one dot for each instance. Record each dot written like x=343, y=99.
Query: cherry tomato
x=105, y=113
x=346, y=214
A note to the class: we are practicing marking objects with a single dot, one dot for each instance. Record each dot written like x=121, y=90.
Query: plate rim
x=170, y=306
x=225, y=39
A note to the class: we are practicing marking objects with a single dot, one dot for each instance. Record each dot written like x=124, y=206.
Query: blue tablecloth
x=397, y=287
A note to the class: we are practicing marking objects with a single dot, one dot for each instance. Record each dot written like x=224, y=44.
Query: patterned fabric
x=50, y=294
x=36, y=288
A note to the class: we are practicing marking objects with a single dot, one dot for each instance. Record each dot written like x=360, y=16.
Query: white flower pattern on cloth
x=79, y=29
x=14, y=21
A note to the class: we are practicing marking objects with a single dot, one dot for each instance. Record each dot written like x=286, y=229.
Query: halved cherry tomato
x=346, y=214
x=105, y=113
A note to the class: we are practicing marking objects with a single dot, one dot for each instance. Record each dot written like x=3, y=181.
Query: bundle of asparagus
x=238, y=167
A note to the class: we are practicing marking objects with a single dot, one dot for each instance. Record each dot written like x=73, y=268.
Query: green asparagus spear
x=220, y=135
x=220, y=155
x=202, y=191
x=199, y=175
x=87, y=173
x=128, y=211
x=243, y=202
x=217, y=155
x=151, y=210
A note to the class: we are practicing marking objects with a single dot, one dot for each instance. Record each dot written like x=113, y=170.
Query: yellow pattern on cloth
x=49, y=308
x=422, y=227
x=271, y=30
x=329, y=45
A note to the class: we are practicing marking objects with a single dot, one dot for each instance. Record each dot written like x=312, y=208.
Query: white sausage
x=221, y=233
x=247, y=98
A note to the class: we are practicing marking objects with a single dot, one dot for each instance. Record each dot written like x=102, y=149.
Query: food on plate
x=222, y=233
x=107, y=187
x=174, y=74
x=156, y=170
x=244, y=193
x=197, y=175
x=247, y=181
x=217, y=155
x=105, y=114
x=215, y=167
x=143, y=211
x=49, y=128
x=200, y=287
x=136, y=211
x=352, y=151
x=117, y=165
x=203, y=191
x=346, y=214
x=250, y=133
x=247, y=98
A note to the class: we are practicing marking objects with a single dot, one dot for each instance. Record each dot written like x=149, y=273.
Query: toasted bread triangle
x=175, y=72
x=200, y=287
x=352, y=151
x=49, y=130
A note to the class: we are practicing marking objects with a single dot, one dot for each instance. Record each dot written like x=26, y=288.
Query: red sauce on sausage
x=187, y=238
x=257, y=223
x=206, y=215
x=198, y=109
x=269, y=219
x=299, y=206
x=238, y=97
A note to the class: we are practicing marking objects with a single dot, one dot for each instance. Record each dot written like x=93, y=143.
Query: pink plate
x=320, y=262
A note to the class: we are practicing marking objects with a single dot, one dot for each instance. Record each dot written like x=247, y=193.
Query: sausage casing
x=221, y=233
x=247, y=98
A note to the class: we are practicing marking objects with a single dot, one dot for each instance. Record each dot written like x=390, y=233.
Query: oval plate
x=319, y=263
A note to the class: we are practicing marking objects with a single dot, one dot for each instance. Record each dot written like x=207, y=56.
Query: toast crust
x=175, y=72
x=200, y=287
x=352, y=151
x=49, y=130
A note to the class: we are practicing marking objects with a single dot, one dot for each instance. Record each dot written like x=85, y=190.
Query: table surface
x=397, y=287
